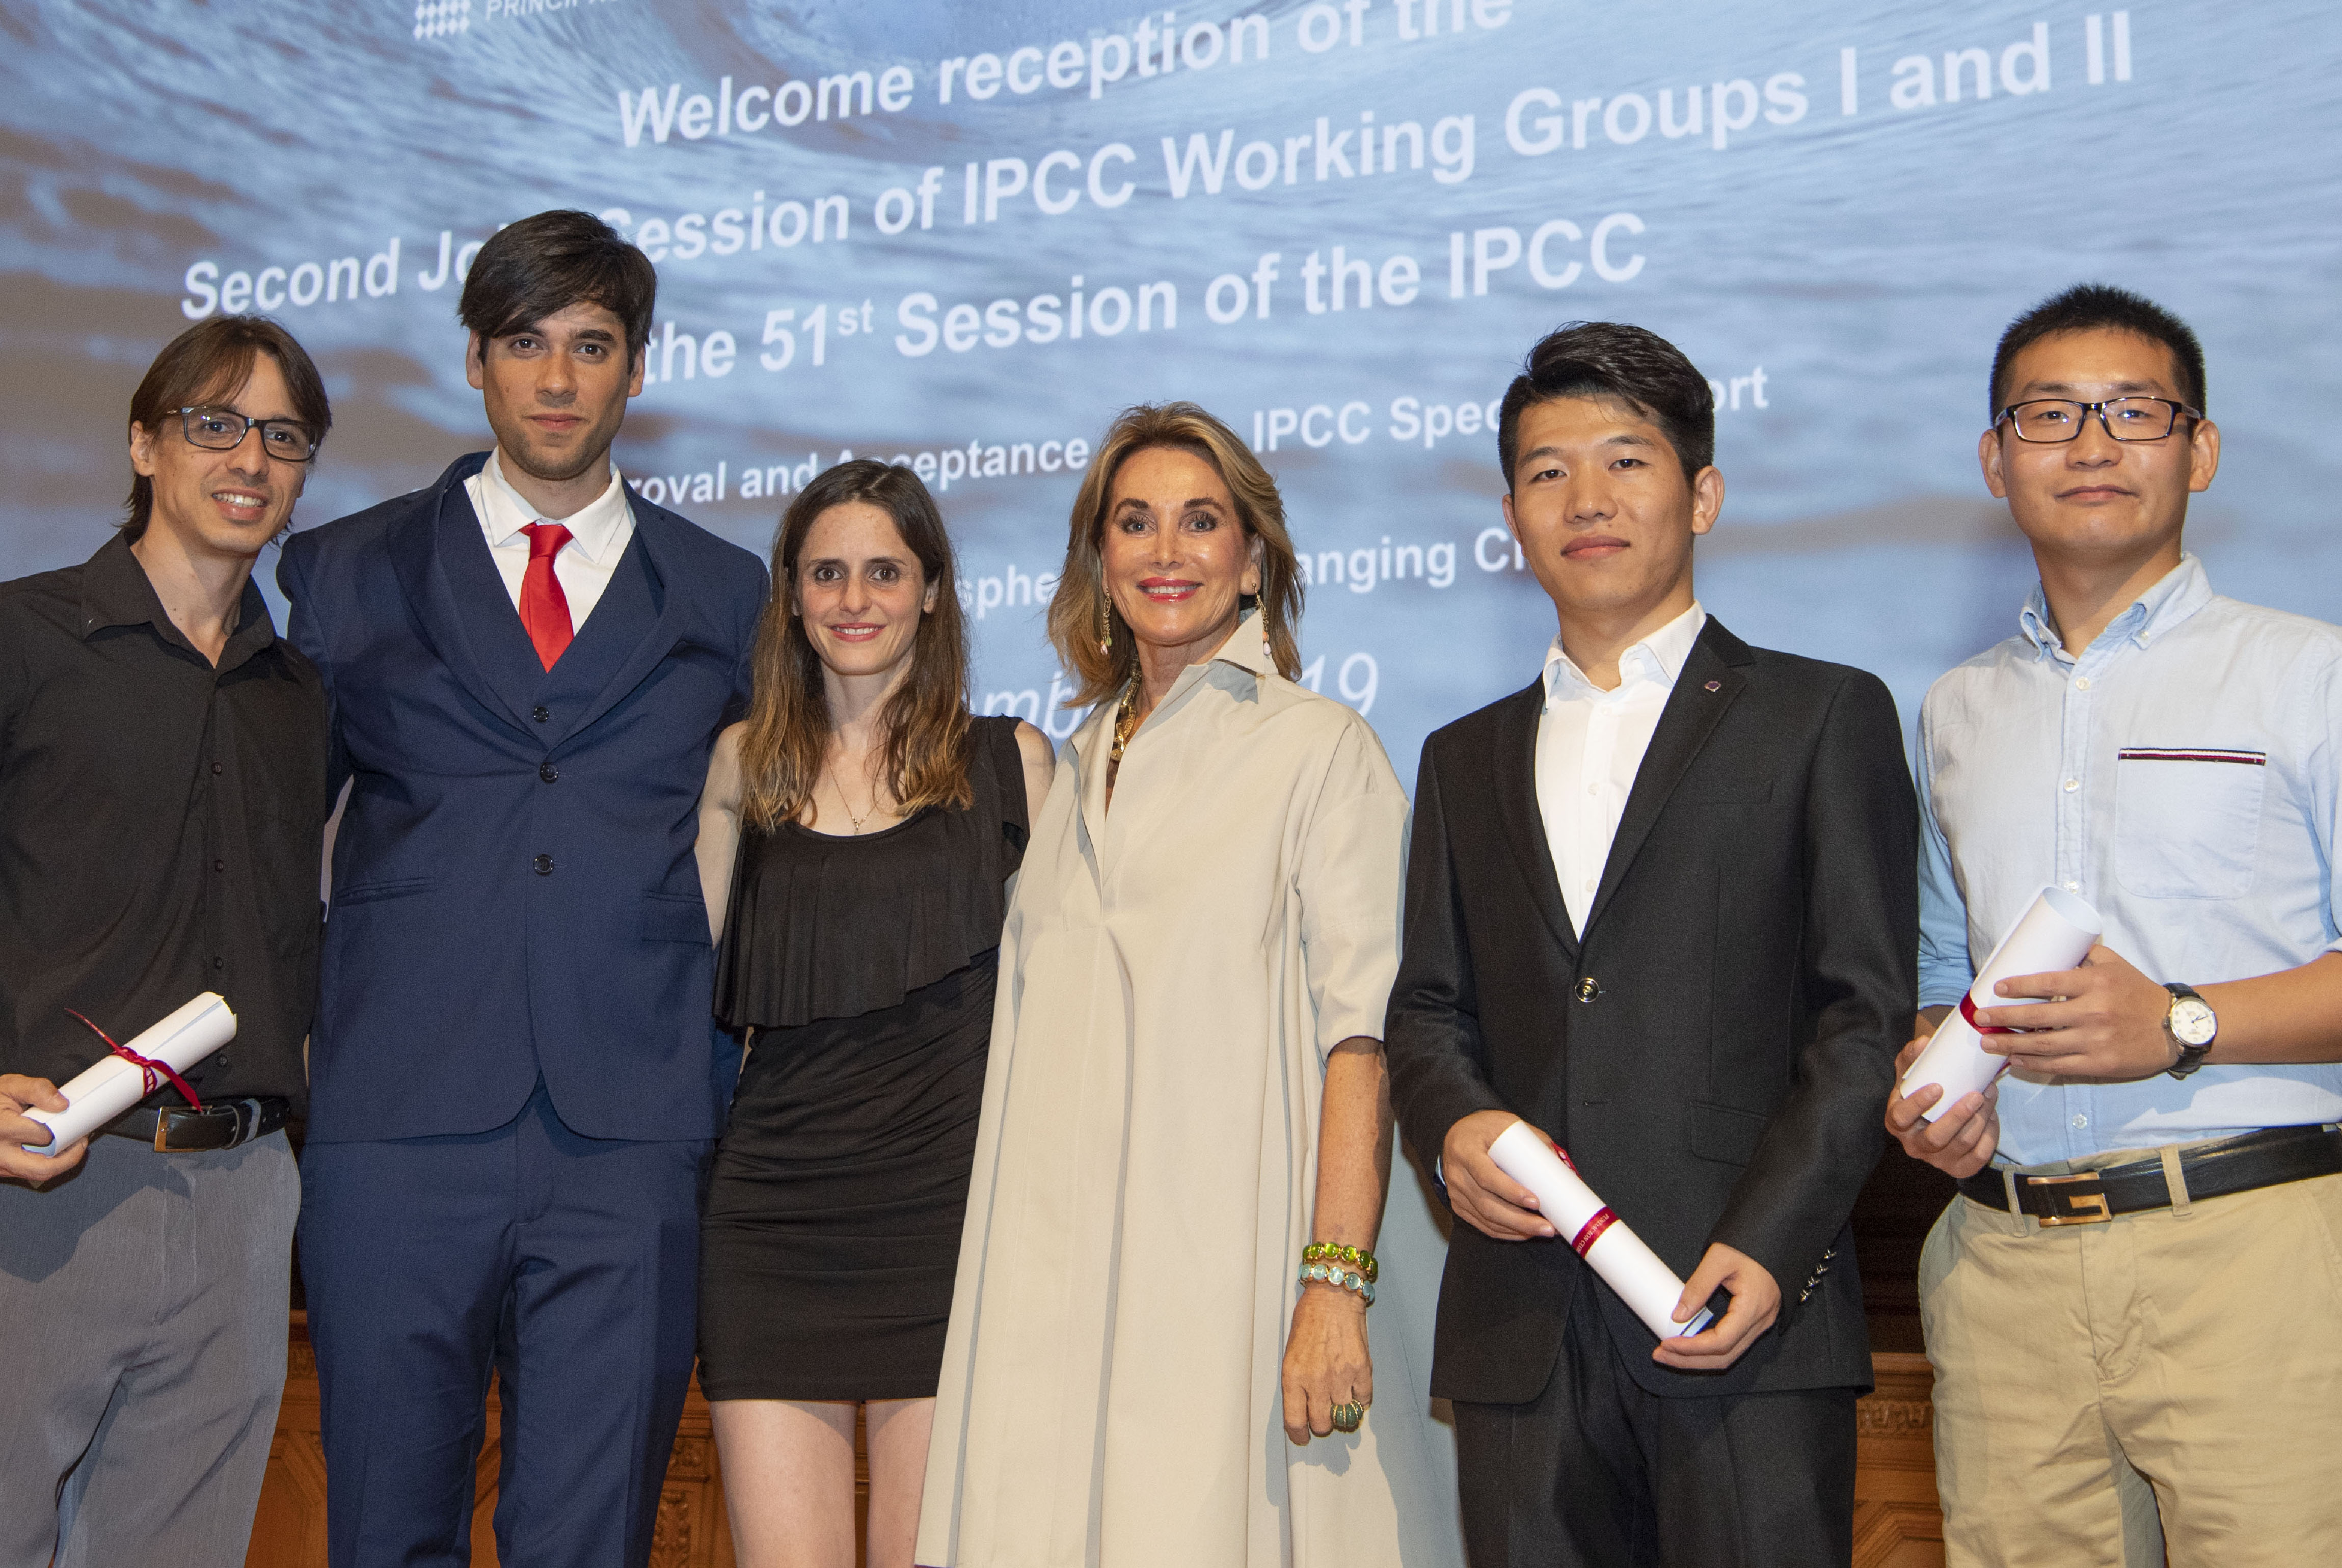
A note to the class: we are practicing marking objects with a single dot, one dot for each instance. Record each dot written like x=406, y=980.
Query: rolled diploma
x=2056, y=932
x=98, y=1096
x=1618, y=1254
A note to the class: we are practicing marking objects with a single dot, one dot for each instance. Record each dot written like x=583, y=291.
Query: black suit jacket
x=1714, y=1049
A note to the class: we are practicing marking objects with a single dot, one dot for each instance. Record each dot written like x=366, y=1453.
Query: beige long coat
x=1173, y=976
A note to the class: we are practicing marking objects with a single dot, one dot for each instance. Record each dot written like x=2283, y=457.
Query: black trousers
x=1597, y=1472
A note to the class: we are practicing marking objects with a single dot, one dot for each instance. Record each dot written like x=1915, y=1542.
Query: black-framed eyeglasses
x=223, y=429
x=2056, y=419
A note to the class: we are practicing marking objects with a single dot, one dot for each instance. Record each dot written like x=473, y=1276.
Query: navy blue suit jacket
x=515, y=894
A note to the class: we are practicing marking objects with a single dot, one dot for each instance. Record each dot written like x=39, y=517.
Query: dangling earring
x=1105, y=623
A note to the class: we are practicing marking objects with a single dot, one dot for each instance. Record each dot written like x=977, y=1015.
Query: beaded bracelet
x=1357, y=1258
x=1327, y=1273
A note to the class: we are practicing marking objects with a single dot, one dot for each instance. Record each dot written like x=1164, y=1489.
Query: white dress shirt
x=1590, y=744
x=599, y=533
x=2182, y=776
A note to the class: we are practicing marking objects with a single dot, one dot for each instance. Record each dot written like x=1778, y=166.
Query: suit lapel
x=1515, y=766
x=647, y=607
x=458, y=599
x=604, y=642
x=1706, y=686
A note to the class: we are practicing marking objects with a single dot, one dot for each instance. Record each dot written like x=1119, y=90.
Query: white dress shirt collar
x=593, y=527
x=1659, y=657
x=1590, y=749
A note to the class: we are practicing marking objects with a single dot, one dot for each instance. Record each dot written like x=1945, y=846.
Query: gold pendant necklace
x=1126, y=722
x=839, y=785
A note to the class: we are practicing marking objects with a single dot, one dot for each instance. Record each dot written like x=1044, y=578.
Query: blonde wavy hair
x=1081, y=610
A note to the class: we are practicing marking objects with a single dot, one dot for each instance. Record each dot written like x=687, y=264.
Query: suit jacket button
x=542, y=866
x=548, y=772
x=540, y=713
x=1588, y=989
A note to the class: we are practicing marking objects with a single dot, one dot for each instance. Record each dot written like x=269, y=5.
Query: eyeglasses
x=223, y=429
x=2057, y=419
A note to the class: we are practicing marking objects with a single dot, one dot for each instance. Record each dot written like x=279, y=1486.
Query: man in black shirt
x=162, y=809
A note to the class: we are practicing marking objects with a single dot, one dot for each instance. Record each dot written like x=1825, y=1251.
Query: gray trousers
x=142, y=1306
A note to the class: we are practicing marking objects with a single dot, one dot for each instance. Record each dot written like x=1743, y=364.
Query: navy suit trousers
x=564, y=1264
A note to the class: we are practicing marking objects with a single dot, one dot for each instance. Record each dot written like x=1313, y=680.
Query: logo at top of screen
x=442, y=18
x=449, y=19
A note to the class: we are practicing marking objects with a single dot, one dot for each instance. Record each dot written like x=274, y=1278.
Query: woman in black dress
x=857, y=838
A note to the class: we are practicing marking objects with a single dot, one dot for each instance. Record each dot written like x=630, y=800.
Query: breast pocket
x=2187, y=820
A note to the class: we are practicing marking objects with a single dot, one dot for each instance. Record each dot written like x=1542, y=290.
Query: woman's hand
x=1325, y=1360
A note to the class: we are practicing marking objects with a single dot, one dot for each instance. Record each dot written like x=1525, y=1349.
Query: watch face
x=2192, y=1023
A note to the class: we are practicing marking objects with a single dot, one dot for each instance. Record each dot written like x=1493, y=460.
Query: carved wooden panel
x=1897, y=1524
x=289, y=1529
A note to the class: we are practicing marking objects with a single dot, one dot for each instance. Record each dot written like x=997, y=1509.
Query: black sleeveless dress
x=866, y=966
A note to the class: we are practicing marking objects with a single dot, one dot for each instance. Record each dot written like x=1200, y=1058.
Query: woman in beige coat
x=1186, y=1089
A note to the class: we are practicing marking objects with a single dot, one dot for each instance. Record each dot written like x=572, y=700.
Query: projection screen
x=962, y=236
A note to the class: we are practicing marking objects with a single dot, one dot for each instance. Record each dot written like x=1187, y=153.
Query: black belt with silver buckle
x=2236, y=1165
x=220, y=1124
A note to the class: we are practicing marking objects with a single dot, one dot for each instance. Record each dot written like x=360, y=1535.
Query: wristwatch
x=2192, y=1025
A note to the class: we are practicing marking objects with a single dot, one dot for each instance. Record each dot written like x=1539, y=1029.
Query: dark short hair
x=1610, y=359
x=2102, y=307
x=541, y=265
x=212, y=359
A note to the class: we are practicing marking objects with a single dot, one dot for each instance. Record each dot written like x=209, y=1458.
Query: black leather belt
x=220, y=1124
x=2236, y=1165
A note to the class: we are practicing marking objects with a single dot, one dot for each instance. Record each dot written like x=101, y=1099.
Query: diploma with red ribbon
x=135, y=1069
x=1619, y=1256
x=2056, y=932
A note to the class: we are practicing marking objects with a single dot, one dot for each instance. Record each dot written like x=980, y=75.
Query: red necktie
x=543, y=607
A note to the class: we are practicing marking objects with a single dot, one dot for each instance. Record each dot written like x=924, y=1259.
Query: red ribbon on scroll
x=151, y=1073
x=1591, y=1232
x=1968, y=1012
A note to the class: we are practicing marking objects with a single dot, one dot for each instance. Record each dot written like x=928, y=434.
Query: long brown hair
x=1080, y=611
x=925, y=720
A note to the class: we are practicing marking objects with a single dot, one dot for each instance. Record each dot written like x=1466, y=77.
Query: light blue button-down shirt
x=2182, y=776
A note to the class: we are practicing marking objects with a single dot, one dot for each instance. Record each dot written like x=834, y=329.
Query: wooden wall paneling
x=1895, y=1524
x=289, y=1530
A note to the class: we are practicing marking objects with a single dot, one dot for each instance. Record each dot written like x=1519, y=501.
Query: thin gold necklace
x=838, y=784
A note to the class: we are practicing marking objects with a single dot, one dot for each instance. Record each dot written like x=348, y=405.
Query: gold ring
x=1348, y=1417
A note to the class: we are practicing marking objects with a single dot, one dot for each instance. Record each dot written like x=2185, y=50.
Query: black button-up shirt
x=161, y=828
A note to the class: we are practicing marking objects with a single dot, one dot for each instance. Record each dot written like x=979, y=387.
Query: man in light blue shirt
x=2135, y=1307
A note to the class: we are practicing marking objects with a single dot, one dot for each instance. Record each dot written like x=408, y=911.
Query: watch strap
x=2190, y=1056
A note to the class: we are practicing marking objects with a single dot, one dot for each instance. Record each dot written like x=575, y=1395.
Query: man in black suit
x=1661, y=904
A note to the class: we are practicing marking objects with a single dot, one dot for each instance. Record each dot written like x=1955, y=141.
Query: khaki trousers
x=2171, y=1378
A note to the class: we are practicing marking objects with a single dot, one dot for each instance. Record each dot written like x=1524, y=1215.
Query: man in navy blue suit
x=516, y=1083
